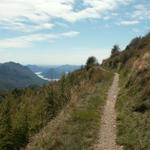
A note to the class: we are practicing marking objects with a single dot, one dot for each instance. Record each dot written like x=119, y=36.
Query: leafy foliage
x=115, y=50
x=91, y=61
x=24, y=112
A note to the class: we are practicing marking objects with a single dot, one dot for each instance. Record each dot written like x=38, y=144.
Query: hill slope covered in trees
x=14, y=75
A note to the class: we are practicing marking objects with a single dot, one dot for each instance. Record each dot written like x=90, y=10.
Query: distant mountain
x=14, y=75
x=58, y=72
x=38, y=68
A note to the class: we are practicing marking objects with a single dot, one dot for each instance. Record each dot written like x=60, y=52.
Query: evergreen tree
x=91, y=61
x=115, y=50
x=5, y=127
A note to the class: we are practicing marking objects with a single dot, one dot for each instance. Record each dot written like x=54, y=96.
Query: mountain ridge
x=53, y=71
x=58, y=72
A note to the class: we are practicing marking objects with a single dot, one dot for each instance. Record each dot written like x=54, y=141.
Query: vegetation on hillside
x=24, y=112
x=91, y=61
x=115, y=50
x=133, y=104
x=76, y=126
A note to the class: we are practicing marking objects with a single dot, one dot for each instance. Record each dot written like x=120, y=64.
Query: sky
x=53, y=32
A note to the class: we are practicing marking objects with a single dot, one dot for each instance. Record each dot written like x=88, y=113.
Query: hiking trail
x=107, y=133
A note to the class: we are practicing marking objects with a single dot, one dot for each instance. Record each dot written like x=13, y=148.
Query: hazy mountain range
x=53, y=72
x=14, y=75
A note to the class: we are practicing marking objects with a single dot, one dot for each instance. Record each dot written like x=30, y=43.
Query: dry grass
x=77, y=124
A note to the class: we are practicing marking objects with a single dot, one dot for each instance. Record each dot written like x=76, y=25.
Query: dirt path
x=107, y=135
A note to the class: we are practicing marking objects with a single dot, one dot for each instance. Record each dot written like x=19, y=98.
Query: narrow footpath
x=107, y=133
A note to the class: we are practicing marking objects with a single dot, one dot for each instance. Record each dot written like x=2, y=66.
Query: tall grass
x=76, y=127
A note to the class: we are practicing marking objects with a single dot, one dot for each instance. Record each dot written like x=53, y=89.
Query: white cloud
x=141, y=12
x=70, y=34
x=129, y=22
x=28, y=40
x=21, y=14
x=18, y=26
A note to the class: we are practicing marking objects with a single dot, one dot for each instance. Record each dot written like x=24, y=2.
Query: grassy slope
x=76, y=126
x=133, y=109
x=23, y=113
x=133, y=105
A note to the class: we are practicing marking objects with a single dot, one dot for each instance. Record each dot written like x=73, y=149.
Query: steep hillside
x=133, y=104
x=61, y=111
x=13, y=75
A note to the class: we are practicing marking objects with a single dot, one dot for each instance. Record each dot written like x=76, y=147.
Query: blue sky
x=68, y=31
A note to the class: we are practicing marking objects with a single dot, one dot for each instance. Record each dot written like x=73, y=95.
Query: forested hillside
x=133, y=104
x=14, y=75
x=23, y=113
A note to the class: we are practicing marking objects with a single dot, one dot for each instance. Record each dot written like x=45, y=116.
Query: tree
x=21, y=127
x=115, y=50
x=91, y=61
x=5, y=127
